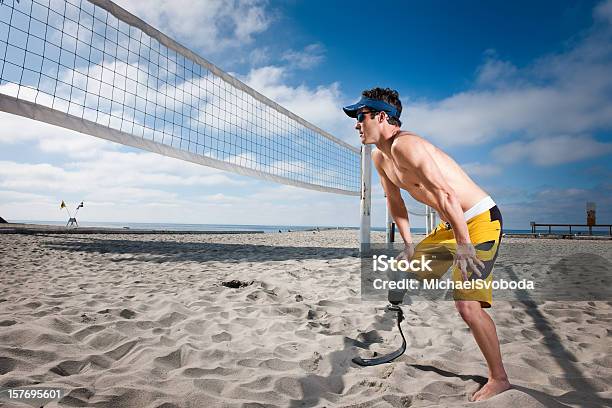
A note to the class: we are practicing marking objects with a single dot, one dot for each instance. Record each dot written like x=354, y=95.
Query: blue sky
x=518, y=93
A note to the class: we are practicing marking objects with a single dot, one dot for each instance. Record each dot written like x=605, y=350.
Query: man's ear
x=382, y=116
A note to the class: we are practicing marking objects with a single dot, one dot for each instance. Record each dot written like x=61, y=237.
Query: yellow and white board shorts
x=485, y=231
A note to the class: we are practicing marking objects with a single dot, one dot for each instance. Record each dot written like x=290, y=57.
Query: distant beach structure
x=591, y=223
x=591, y=218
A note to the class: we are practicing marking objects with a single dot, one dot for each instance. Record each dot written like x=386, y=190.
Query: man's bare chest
x=403, y=178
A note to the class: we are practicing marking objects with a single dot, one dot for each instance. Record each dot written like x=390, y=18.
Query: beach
x=254, y=320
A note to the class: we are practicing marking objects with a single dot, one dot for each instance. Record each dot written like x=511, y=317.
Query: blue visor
x=373, y=104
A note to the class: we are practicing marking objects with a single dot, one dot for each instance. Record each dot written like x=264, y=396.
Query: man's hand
x=465, y=257
x=406, y=253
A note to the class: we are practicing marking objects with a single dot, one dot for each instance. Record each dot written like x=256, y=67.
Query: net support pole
x=366, y=195
x=430, y=219
x=433, y=218
x=390, y=226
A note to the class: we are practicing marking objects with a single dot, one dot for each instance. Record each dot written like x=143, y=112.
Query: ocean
x=271, y=228
x=187, y=227
x=216, y=227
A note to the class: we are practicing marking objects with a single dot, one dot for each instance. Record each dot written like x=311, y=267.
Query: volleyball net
x=91, y=66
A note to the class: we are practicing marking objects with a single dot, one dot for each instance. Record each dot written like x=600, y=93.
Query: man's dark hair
x=389, y=96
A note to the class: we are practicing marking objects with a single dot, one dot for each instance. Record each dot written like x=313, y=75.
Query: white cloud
x=548, y=151
x=110, y=172
x=137, y=169
x=41, y=176
x=49, y=138
x=309, y=57
x=19, y=197
x=221, y=199
x=320, y=105
x=212, y=25
x=603, y=12
x=477, y=117
x=495, y=72
x=287, y=193
x=259, y=56
x=560, y=94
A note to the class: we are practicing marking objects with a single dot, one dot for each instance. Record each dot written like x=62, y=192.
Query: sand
x=144, y=321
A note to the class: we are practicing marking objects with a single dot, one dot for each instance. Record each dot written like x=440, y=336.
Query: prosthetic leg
x=395, y=299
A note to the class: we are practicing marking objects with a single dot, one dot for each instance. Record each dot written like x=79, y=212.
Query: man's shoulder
x=406, y=143
x=377, y=157
x=406, y=137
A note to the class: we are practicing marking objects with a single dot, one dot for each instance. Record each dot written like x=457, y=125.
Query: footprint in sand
x=220, y=337
x=69, y=367
x=127, y=314
x=7, y=365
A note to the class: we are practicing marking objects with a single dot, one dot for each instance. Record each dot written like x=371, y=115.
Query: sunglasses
x=361, y=115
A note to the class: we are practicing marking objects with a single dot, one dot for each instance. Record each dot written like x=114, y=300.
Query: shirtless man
x=470, y=217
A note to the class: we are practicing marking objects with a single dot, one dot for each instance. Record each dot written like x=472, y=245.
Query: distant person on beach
x=472, y=223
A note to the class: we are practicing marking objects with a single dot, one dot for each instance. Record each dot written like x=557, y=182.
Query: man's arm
x=395, y=202
x=413, y=156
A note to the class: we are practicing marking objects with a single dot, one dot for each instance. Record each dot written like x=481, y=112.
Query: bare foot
x=490, y=389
